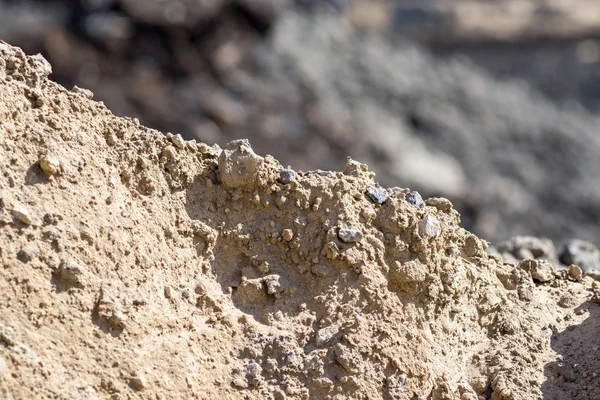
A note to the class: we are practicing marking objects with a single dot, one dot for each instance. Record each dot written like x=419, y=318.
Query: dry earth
x=135, y=264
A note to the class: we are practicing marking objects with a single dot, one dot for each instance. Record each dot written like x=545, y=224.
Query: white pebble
x=349, y=235
x=22, y=214
x=429, y=226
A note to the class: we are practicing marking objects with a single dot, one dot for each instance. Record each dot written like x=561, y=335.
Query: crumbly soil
x=137, y=265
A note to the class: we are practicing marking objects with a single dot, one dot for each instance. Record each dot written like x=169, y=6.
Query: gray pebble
x=26, y=254
x=377, y=194
x=286, y=176
x=415, y=199
x=349, y=235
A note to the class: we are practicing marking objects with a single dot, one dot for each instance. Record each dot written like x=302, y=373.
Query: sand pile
x=135, y=264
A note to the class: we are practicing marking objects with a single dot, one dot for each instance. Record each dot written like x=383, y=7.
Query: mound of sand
x=138, y=265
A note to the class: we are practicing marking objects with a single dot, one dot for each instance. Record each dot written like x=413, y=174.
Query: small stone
x=575, y=272
x=69, y=270
x=441, y=203
x=473, y=246
x=429, y=226
x=26, y=254
x=368, y=214
x=540, y=270
x=118, y=319
x=178, y=141
x=319, y=270
x=567, y=300
x=323, y=383
x=168, y=292
x=287, y=235
x=349, y=235
x=253, y=370
x=22, y=214
x=137, y=382
x=41, y=65
x=595, y=292
x=286, y=176
x=263, y=267
x=377, y=194
x=169, y=152
x=323, y=336
x=273, y=285
x=50, y=165
x=111, y=139
x=7, y=335
x=253, y=373
x=87, y=93
x=415, y=199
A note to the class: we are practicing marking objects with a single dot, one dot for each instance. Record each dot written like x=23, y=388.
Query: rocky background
x=490, y=103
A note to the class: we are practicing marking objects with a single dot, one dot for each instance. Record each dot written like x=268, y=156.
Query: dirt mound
x=138, y=265
x=226, y=69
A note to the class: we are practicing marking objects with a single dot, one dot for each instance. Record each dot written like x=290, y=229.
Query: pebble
x=540, y=270
x=567, y=300
x=178, y=141
x=319, y=270
x=472, y=246
x=70, y=270
x=117, y=319
x=429, y=226
x=415, y=199
x=575, y=272
x=323, y=336
x=26, y=254
x=169, y=152
x=441, y=203
x=377, y=194
x=22, y=214
x=87, y=93
x=273, y=284
x=349, y=235
x=287, y=234
x=50, y=165
x=137, y=382
x=286, y=176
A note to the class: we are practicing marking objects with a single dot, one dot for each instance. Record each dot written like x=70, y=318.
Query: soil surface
x=136, y=264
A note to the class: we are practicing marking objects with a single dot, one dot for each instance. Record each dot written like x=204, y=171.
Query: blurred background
x=491, y=103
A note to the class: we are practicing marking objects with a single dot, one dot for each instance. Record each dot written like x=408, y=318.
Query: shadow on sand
x=575, y=374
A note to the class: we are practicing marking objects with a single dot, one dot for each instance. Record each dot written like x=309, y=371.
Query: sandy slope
x=137, y=265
